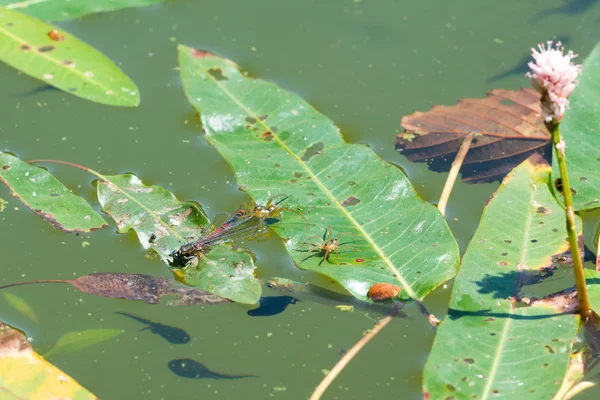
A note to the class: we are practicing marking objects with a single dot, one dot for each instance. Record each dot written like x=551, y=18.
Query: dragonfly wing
x=220, y=219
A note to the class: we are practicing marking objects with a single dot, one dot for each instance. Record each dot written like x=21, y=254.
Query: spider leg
x=314, y=245
x=348, y=233
x=270, y=201
x=350, y=247
x=293, y=211
x=325, y=257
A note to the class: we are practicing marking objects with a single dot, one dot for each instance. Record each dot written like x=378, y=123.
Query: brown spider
x=328, y=245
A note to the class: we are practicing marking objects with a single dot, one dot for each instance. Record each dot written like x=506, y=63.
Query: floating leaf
x=69, y=64
x=71, y=9
x=47, y=197
x=277, y=144
x=580, y=129
x=133, y=287
x=20, y=305
x=26, y=375
x=75, y=341
x=492, y=343
x=154, y=212
x=592, y=279
x=508, y=126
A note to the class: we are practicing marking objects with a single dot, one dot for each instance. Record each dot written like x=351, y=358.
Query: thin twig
x=341, y=364
x=432, y=319
x=456, y=164
x=559, y=151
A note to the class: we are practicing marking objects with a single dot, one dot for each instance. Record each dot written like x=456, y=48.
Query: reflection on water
x=570, y=7
x=522, y=67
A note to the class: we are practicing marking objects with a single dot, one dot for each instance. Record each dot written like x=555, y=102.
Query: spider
x=328, y=245
x=272, y=210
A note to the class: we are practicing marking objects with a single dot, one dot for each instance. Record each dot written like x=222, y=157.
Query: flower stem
x=582, y=295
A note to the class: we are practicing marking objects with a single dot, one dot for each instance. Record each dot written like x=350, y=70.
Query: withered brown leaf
x=508, y=128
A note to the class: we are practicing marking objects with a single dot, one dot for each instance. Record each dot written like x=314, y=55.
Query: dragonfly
x=223, y=228
x=249, y=221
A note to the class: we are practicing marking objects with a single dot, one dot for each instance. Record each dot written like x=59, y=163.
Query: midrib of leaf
x=498, y=355
x=74, y=71
x=315, y=179
x=25, y=4
x=141, y=205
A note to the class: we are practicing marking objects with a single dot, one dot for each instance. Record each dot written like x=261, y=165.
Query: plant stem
x=456, y=164
x=330, y=377
x=582, y=295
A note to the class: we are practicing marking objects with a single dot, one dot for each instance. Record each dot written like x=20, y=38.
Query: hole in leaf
x=45, y=49
x=217, y=74
x=313, y=150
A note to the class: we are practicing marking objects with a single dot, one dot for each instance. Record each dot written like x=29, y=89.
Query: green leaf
x=592, y=279
x=153, y=211
x=26, y=375
x=580, y=129
x=52, y=10
x=21, y=305
x=68, y=64
x=278, y=144
x=75, y=341
x=47, y=196
x=492, y=344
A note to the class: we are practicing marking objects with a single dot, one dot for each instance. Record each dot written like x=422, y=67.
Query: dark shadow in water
x=505, y=285
x=521, y=68
x=188, y=368
x=508, y=284
x=170, y=333
x=570, y=7
x=456, y=314
x=38, y=90
x=272, y=305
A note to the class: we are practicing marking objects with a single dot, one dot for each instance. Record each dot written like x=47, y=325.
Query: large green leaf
x=47, y=197
x=26, y=375
x=277, y=143
x=164, y=223
x=580, y=129
x=61, y=10
x=69, y=64
x=491, y=344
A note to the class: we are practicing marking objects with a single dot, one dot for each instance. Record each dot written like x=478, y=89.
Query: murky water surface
x=363, y=63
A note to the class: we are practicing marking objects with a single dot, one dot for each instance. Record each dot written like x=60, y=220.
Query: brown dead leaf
x=134, y=287
x=508, y=128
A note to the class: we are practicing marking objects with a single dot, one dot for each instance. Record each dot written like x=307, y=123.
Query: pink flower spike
x=554, y=75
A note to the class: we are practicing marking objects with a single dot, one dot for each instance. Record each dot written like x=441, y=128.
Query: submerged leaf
x=26, y=375
x=494, y=342
x=20, y=305
x=63, y=61
x=74, y=341
x=580, y=129
x=71, y=9
x=163, y=223
x=508, y=128
x=277, y=144
x=47, y=196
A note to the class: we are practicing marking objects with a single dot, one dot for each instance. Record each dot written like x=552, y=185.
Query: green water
x=364, y=64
